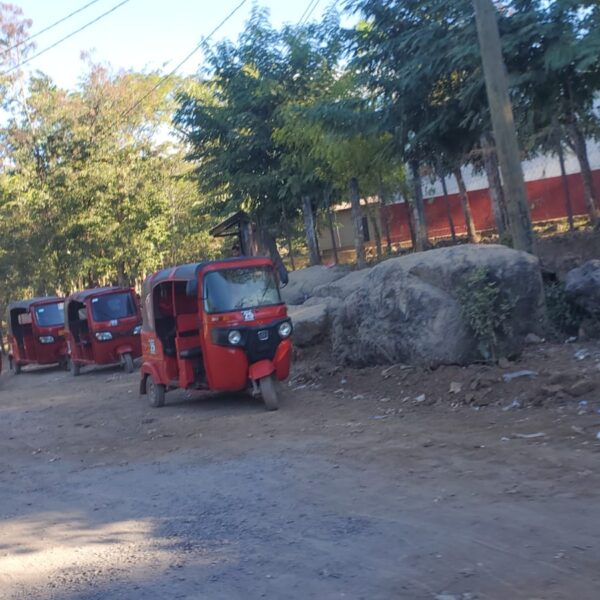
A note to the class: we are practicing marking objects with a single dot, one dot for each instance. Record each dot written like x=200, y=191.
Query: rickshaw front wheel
x=128, y=362
x=268, y=392
x=156, y=393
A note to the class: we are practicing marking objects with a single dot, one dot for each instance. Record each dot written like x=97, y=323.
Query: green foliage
x=486, y=310
x=92, y=194
x=563, y=314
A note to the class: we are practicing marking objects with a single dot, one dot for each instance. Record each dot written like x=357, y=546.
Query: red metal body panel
x=283, y=360
x=31, y=350
x=260, y=369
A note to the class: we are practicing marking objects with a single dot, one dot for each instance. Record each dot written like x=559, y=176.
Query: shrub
x=486, y=311
x=564, y=316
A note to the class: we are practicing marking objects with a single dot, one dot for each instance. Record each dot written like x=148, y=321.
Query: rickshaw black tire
x=64, y=364
x=128, y=362
x=17, y=368
x=156, y=393
x=268, y=391
x=75, y=368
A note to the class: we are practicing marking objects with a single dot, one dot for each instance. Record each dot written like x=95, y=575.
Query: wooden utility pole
x=496, y=83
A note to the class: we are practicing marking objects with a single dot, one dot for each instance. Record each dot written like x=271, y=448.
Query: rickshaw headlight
x=137, y=330
x=285, y=329
x=47, y=339
x=234, y=337
x=104, y=336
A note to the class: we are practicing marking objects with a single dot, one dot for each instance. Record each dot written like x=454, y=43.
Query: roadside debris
x=518, y=374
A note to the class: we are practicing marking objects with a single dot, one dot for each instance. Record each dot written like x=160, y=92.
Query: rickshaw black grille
x=258, y=349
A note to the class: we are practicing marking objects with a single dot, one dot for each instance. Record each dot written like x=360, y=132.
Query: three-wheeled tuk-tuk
x=35, y=332
x=103, y=327
x=218, y=325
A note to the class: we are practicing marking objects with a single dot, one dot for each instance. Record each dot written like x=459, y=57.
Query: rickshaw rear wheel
x=156, y=393
x=128, y=362
x=64, y=364
x=75, y=368
x=268, y=391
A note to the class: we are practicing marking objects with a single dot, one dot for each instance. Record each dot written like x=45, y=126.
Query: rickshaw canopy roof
x=189, y=273
x=83, y=295
x=25, y=305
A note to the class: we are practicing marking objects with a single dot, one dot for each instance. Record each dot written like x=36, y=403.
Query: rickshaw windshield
x=113, y=306
x=50, y=315
x=238, y=289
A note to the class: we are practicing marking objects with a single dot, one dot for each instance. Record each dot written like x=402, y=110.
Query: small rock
x=420, y=398
x=533, y=339
x=504, y=363
x=552, y=390
x=577, y=429
x=582, y=354
x=530, y=436
x=598, y=436
x=455, y=387
x=563, y=377
x=583, y=386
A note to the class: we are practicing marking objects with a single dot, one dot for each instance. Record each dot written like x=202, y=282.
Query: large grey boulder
x=341, y=288
x=406, y=309
x=303, y=282
x=583, y=286
x=310, y=323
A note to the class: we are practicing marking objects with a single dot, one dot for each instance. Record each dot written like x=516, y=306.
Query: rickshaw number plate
x=152, y=346
x=248, y=315
x=263, y=335
x=114, y=322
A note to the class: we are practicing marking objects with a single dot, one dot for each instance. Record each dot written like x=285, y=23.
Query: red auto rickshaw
x=103, y=327
x=218, y=325
x=35, y=332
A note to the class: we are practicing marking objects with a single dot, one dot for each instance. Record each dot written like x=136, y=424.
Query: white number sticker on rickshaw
x=248, y=315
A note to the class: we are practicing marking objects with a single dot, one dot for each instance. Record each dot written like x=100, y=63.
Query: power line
x=108, y=12
x=309, y=7
x=32, y=37
x=312, y=10
x=182, y=62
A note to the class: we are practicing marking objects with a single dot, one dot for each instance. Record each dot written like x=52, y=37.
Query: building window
x=365, y=228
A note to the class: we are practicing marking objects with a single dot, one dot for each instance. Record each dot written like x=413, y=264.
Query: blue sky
x=142, y=34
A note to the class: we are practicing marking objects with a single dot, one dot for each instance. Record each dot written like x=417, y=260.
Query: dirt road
x=342, y=494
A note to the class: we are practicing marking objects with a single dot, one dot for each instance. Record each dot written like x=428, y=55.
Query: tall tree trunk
x=359, y=238
x=310, y=232
x=372, y=212
x=466, y=207
x=563, y=173
x=332, y=230
x=578, y=141
x=496, y=84
x=122, y=278
x=446, y=201
x=288, y=239
x=418, y=209
x=385, y=220
x=490, y=163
